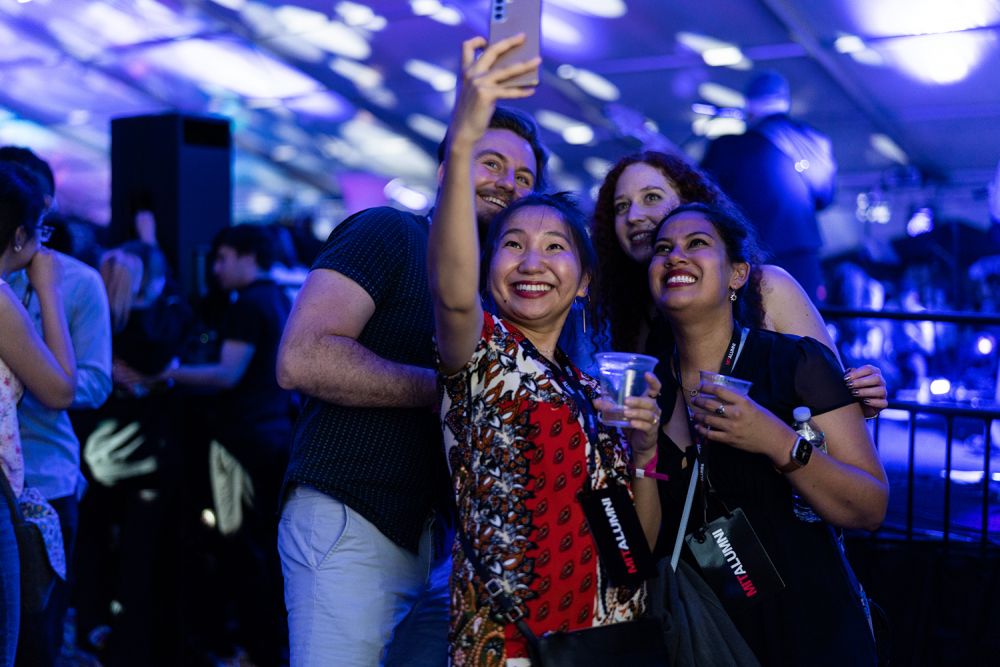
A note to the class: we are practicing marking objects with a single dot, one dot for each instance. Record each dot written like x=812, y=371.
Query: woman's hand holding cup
x=643, y=417
x=725, y=415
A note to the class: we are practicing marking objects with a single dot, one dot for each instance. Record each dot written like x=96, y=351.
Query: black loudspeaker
x=180, y=168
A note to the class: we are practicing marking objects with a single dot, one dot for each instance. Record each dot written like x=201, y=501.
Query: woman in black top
x=699, y=277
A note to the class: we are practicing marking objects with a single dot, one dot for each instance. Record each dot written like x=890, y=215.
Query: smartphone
x=509, y=18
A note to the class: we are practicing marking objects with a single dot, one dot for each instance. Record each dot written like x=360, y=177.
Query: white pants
x=354, y=597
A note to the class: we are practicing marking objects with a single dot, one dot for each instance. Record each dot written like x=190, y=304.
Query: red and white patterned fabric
x=518, y=450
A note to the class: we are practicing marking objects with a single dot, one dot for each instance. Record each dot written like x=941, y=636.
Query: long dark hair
x=21, y=203
x=740, y=240
x=619, y=299
x=569, y=212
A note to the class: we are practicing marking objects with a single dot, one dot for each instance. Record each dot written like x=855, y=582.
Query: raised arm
x=320, y=356
x=453, y=247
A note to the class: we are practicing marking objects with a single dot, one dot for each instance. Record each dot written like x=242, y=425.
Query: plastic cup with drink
x=622, y=376
x=737, y=385
x=741, y=387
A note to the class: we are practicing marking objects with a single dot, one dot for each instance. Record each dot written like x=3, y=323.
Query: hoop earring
x=732, y=296
x=17, y=248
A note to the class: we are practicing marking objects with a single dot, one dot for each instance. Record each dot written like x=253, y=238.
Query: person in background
x=128, y=516
x=780, y=172
x=40, y=361
x=51, y=447
x=252, y=428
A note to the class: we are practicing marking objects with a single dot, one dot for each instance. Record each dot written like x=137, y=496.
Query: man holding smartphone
x=365, y=555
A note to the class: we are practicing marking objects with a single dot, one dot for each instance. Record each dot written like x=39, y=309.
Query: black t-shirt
x=385, y=463
x=256, y=403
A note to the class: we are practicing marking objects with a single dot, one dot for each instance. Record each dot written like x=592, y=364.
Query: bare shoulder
x=787, y=307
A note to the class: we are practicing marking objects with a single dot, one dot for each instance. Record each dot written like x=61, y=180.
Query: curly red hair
x=618, y=301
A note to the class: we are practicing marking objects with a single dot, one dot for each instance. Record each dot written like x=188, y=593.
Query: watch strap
x=792, y=464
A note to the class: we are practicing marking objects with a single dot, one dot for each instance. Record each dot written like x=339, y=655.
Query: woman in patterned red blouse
x=515, y=414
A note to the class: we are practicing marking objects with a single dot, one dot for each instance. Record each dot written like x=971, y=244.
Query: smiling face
x=691, y=266
x=643, y=196
x=503, y=171
x=536, y=272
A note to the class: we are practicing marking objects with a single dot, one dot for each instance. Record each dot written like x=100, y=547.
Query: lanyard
x=732, y=355
x=564, y=373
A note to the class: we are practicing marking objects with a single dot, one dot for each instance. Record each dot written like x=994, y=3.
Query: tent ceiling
x=317, y=90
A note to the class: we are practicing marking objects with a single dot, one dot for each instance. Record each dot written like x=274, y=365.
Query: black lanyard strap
x=565, y=375
x=729, y=359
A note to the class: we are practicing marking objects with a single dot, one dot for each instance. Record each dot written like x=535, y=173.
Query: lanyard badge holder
x=731, y=557
x=610, y=512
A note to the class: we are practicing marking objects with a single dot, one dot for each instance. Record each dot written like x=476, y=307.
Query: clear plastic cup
x=622, y=375
x=727, y=381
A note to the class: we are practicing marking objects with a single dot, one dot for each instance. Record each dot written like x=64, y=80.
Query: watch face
x=801, y=452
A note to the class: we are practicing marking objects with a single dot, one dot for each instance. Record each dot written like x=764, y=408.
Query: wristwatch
x=799, y=456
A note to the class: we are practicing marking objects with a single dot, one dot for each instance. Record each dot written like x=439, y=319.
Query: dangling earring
x=584, y=301
x=732, y=295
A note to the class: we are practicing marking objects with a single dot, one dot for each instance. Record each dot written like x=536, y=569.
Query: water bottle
x=806, y=427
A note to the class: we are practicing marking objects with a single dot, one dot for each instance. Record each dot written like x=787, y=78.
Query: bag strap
x=685, y=515
x=506, y=608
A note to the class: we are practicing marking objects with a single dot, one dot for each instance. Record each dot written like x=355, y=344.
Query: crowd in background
x=169, y=517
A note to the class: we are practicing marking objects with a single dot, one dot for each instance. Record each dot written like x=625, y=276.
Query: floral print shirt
x=518, y=452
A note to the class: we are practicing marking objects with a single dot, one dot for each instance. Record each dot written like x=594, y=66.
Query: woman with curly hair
x=638, y=192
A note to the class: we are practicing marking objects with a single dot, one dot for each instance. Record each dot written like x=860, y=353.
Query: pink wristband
x=649, y=471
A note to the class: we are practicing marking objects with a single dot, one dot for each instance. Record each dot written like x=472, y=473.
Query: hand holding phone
x=483, y=83
x=512, y=17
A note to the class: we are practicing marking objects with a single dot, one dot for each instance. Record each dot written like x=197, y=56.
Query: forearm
x=342, y=371
x=213, y=376
x=842, y=494
x=453, y=246
x=647, y=506
x=56, y=332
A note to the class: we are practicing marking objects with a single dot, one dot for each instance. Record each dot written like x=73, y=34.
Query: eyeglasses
x=44, y=232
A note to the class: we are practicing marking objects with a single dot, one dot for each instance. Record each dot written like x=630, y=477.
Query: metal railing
x=949, y=413
x=988, y=414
